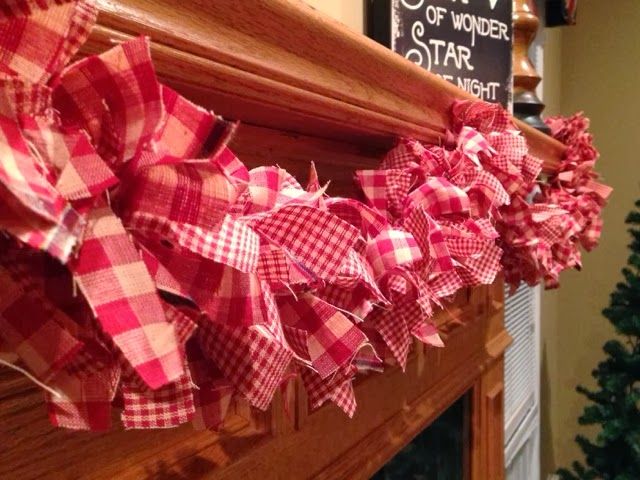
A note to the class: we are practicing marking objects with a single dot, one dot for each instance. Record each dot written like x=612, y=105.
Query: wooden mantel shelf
x=292, y=69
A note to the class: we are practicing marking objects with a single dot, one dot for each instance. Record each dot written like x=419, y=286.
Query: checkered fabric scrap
x=144, y=267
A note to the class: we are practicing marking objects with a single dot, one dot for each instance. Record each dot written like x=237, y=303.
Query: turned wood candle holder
x=526, y=104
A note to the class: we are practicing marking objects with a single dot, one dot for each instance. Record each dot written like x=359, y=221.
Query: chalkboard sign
x=467, y=42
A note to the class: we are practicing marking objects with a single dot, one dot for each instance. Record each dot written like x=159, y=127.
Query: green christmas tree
x=615, y=405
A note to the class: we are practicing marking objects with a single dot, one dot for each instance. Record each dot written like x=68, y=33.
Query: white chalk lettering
x=481, y=26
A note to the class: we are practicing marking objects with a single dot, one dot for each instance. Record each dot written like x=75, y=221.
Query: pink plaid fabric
x=319, y=391
x=124, y=299
x=84, y=403
x=332, y=339
x=185, y=128
x=406, y=154
x=481, y=116
x=369, y=221
x=315, y=238
x=430, y=239
x=43, y=36
x=254, y=363
x=83, y=174
x=472, y=144
x=29, y=323
x=12, y=9
x=115, y=97
x=212, y=402
x=440, y=197
x=166, y=407
x=51, y=223
x=390, y=249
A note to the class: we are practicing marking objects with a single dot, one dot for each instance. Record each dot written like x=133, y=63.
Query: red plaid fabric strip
x=394, y=330
x=483, y=116
x=166, y=407
x=427, y=333
x=270, y=187
x=369, y=221
x=212, y=402
x=11, y=9
x=115, y=96
x=185, y=128
x=298, y=340
x=390, y=249
x=188, y=193
x=83, y=174
x=252, y=362
x=374, y=186
x=122, y=294
x=38, y=44
x=472, y=143
x=406, y=154
x=440, y=197
x=29, y=323
x=345, y=398
x=318, y=240
x=320, y=390
x=84, y=402
x=230, y=243
x=233, y=169
x=333, y=339
x=21, y=175
x=430, y=238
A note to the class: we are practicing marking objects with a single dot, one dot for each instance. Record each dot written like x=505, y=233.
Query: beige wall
x=349, y=12
x=592, y=67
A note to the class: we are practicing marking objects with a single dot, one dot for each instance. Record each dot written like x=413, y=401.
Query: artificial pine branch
x=615, y=405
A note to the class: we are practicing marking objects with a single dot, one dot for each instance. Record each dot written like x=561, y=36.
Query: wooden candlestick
x=526, y=104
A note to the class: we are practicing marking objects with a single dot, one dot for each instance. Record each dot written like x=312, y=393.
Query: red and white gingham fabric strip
x=315, y=238
x=115, y=96
x=212, y=402
x=439, y=197
x=345, y=398
x=472, y=143
x=407, y=154
x=369, y=221
x=38, y=43
x=33, y=328
x=23, y=177
x=391, y=249
x=234, y=170
x=374, y=186
x=269, y=188
x=332, y=340
x=394, y=330
x=319, y=390
x=83, y=174
x=429, y=237
x=13, y=9
x=123, y=296
x=166, y=407
x=190, y=193
x=84, y=403
x=185, y=127
x=231, y=242
x=252, y=362
x=482, y=116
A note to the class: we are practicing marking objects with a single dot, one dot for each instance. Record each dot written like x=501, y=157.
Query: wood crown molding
x=292, y=69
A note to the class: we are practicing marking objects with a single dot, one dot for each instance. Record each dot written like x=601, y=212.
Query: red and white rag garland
x=144, y=267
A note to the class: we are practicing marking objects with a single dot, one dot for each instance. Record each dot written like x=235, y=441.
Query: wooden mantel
x=305, y=89
x=280, y=64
